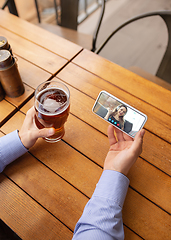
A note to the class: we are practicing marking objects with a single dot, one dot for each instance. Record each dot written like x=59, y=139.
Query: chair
x=164, y=70
x=11, y=6
x=67, y=26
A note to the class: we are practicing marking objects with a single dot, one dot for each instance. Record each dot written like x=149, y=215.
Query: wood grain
x=50, y=41
x=130, y=235
x=59, y=167
x=48, y=189
x=145, y=178
x=56, y=188
x=26, y=217
x=69, y=164
x=18, y=101
x=31, y=74
x=148, y=173
x=91, y=85
x=145, y=218
x=155, y=150
x=1, y=134
x=6, y=110
x=126, y=80
x=54, y=194
x=31, y=52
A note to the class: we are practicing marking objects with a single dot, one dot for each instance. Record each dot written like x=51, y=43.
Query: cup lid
x=5, y=58
x=3, y=43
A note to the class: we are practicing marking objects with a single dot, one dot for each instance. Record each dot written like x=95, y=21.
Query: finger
x=45, y=132
x=29, y=116
x=127, y=137
x=119, y=134
x=31, y=111
x=111, y=136
x=138, y=141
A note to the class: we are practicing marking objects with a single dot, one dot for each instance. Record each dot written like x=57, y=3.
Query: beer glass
x=52, y=104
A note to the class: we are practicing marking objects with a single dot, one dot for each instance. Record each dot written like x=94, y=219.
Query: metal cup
x=4, y=44
x=6, y=59
x=9, y=75
x=2, y=93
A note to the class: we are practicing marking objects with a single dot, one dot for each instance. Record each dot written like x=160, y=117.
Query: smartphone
x=118, y=113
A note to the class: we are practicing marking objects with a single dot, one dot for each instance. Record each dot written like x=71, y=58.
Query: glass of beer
x=52, y=104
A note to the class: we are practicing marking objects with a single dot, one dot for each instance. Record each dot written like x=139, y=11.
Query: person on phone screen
x=116, y=116
x=102, y=216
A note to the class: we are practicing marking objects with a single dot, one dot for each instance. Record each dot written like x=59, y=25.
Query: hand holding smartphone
x=118, y=113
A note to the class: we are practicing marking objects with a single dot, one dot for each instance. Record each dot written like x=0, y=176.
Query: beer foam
x=44, y=108
x=51, y=105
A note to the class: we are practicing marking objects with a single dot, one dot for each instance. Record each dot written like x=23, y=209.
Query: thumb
x=138, y=141
x=45, y=132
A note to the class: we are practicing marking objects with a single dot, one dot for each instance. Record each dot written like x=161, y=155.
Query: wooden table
x=43, y=193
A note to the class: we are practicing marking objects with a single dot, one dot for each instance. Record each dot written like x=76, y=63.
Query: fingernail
x=51, y=131
x=142, y=132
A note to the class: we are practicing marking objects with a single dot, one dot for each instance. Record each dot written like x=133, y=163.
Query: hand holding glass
x=52, y=104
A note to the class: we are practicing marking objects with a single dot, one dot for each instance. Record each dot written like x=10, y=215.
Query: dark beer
x=52, y=110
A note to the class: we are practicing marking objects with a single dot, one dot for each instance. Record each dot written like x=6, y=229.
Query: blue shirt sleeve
x=11, y=148
x=102, y=216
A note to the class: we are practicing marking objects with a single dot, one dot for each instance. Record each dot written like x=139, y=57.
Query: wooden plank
x=95, y=146
x=23, y=173
x=27, y=106
x=145, y=178
x=48, y=189
x=26, y=217
x=150, y=77
x=128, y=233
x=145, y=218
x=79, y=38
x=155, y=150
x=69, y=164
x=16, y=121
x=152, y=183
x=6, y=110
x=71, y=136
x=126, y=80
x=50, y=41
x=31, y=74
x=18, y=101
x=1, y=134
x=35, y=54
x=91, y=85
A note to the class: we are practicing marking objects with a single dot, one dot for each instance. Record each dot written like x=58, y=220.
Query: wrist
x=22, y=136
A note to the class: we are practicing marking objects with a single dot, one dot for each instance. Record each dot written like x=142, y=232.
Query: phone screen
x=119, y=114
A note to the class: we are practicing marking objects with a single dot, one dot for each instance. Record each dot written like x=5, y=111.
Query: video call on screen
x=130, y=123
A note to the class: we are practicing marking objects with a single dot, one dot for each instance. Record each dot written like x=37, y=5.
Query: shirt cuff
x=112, y=185
x=11, y=148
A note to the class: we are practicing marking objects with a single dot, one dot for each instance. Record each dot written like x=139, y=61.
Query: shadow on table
x=6, y=233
